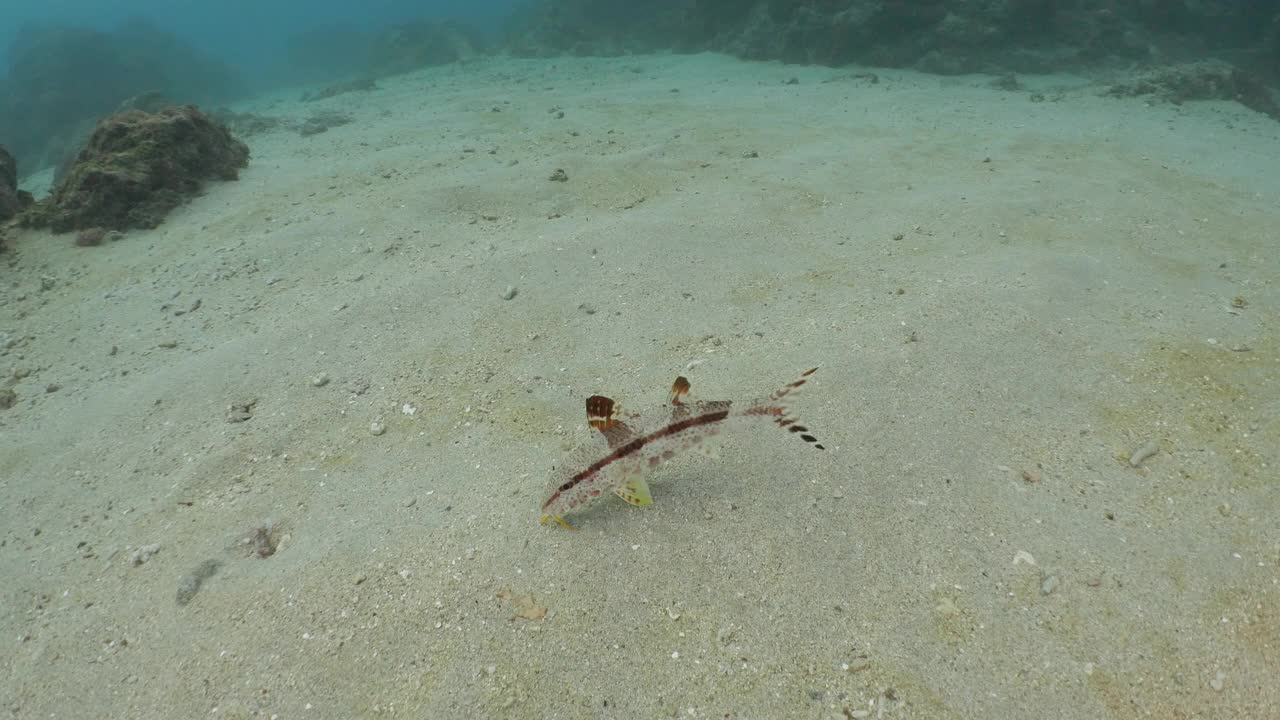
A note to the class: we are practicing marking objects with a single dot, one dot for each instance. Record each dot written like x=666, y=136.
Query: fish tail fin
x=777, y=408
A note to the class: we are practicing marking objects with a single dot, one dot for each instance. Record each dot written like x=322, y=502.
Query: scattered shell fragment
x=1218, y=681
x=1145, y=451
x=1022, y=556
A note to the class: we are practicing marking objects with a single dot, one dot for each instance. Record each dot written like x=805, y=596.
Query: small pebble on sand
x=143, y=554
x=1049, y=584
x=510, y=292
x=1218, y=682
x=320, y=380
x=190, y=584
x=377, y=428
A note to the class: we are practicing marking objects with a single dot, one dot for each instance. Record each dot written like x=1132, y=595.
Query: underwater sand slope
x=283, y=454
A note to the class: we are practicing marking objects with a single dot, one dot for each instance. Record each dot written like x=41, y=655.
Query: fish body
x=635, y=444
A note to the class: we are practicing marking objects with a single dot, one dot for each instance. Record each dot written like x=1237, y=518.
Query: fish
x=635, y=444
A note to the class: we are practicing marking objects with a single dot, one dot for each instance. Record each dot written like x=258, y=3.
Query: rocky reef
x=12, y=200
x=940, y=36
x=136, y=167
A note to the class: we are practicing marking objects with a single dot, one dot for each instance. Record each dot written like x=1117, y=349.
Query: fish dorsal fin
x=635, y=491
x=601, y=412
x=680, y=387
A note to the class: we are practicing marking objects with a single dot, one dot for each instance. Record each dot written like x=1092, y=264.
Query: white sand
x=1069, y=300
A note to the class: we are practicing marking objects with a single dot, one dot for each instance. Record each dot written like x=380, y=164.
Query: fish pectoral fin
x=558, y=519
x=636, y=492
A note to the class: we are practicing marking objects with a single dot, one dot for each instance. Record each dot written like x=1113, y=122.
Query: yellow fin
x=558, y=519
x=636, y=492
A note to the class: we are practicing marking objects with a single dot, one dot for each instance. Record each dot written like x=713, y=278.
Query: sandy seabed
x=1008, y=293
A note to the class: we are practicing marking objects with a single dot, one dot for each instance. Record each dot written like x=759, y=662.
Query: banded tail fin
x=777, y=406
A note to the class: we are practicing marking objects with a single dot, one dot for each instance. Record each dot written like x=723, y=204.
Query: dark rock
x=321, y=122
x=12, y=200
x=137, y=167
x=90, y=237
x=1207, y=80
x=942, y=36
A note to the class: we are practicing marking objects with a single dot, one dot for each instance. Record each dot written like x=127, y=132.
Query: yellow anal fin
x=636, y=492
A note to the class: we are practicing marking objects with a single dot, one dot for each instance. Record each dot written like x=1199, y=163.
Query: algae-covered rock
x=137, y=166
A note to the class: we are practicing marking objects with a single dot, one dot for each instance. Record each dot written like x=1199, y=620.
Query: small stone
x=320, y=380
x=377, y=428
x=559, y=175
x=510, y=292
x=1049, y=584
x=8, y=398
x=168, y=344
x=725, y=634
x=90, y=237
x=52, y=388
x=143, y=554
x=1218, y=681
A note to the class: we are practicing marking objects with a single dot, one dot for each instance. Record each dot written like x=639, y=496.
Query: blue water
x=245, y=33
